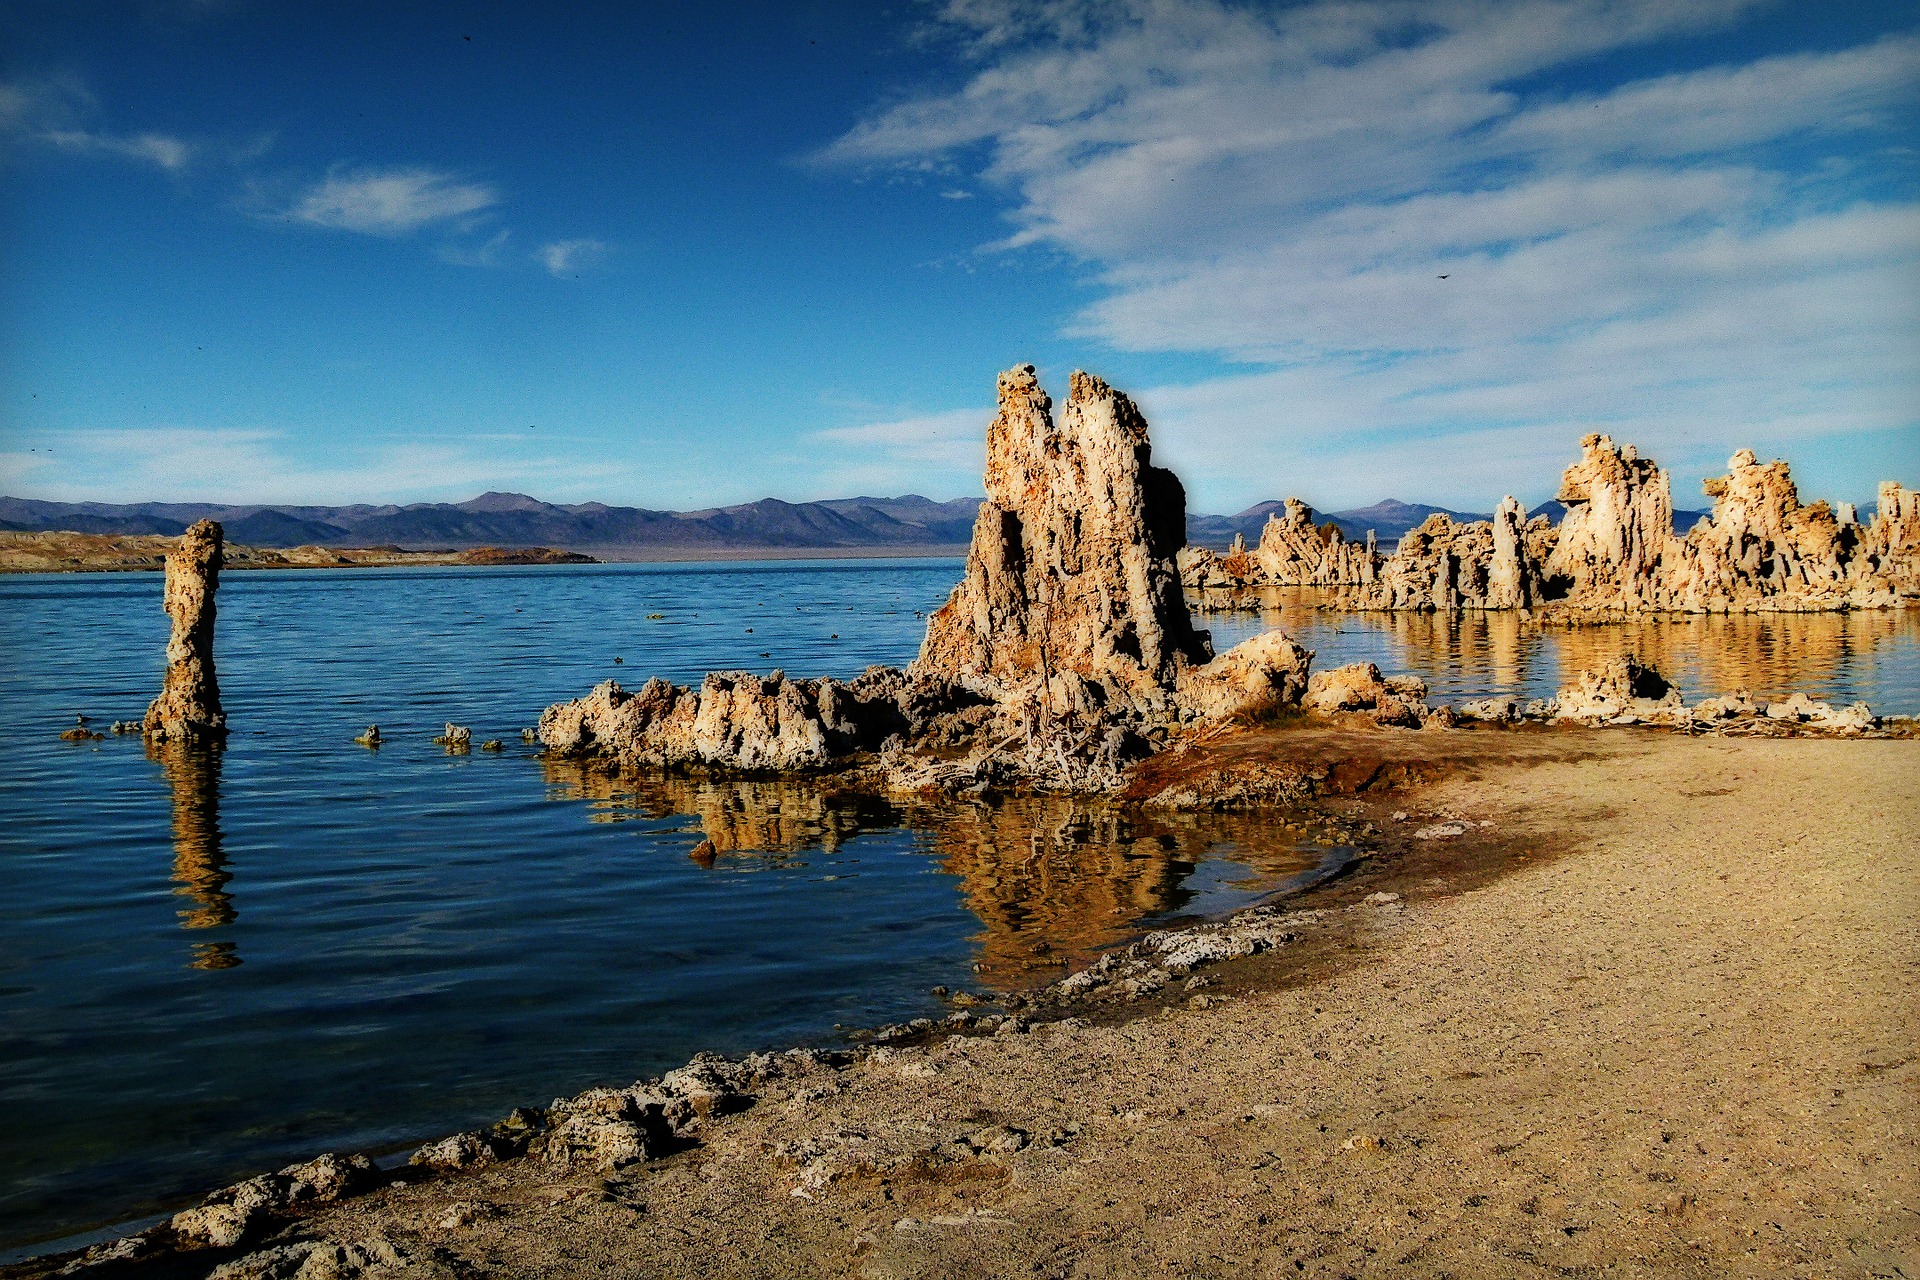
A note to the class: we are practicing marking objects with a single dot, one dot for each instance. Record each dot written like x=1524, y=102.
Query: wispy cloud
x=487, y=253
x=952, y=441
x=220, y=464
x=391, y=201
x=570, y=257
x=937, y=453
x=57, y=112
x=169, y=153
x=1360, y=197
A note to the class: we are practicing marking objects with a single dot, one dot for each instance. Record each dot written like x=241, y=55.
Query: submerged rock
x=188, y=708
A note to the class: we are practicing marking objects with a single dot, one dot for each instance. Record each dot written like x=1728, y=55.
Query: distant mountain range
x=516, y=520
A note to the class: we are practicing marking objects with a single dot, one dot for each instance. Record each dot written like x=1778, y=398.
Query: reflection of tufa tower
x=188, y=708
x=199, y=865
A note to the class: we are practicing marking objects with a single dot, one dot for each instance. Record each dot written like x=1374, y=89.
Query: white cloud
x=170, y=154
x=218, y=464
x=53, y=111
x=1679, y=259
x=931, y=453
x=391, y=202
x=570, y=257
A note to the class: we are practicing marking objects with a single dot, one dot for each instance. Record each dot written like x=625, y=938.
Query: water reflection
x=1053, y=880
x=199, y=865
x=1474, y=654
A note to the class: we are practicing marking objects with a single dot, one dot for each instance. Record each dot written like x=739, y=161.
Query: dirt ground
x=1658, y=1019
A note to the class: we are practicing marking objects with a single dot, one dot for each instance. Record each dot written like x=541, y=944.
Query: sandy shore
x=1658, y=1018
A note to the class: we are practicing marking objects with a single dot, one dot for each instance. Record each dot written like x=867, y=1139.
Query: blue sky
x=679, y=257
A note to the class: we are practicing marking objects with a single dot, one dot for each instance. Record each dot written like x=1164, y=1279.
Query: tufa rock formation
x=1619, y=517
x=1759, y=551
x=1064, y=653
x=188, y=708
x=741, y=722
x=1293, y=552
x=1397, y=701
x=1071, y=575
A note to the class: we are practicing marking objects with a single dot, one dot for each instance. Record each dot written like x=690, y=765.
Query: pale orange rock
x=1760, y=550
x=1072, y=567
x=188, y=708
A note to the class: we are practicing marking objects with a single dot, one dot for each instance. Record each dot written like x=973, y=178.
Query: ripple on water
x=212, y=964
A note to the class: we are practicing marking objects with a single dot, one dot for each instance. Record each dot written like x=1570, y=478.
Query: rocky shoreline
x=789, y=1158
x=602, y=1130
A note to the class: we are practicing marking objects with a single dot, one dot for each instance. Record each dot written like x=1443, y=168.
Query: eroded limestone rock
x=1065, y=644
x=1760, y=550
x=1624, y=686
x=1257, y=678
x=1619, y=518
x=188, y=708
x=739, y=721
x=1392, y=700
x=1072, y=565
x=1294, y=551
x=234, y=1214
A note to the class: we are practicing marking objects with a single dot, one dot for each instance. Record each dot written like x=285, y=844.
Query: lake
x=213, y=964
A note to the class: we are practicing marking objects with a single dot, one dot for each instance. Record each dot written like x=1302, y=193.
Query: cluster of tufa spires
x=1759, y=550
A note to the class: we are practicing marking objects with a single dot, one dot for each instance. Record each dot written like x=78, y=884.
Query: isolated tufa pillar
x=188, y=708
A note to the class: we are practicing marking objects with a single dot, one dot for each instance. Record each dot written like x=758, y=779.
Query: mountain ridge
x=502, y=518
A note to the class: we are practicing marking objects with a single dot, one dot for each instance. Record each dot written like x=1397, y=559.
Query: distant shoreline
x=696, y=555
x=66, y=552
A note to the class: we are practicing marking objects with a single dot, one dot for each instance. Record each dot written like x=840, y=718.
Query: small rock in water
x=371, y=738
x=619, y=662
x=491, y=744
x=528, y=735
x=456, y=739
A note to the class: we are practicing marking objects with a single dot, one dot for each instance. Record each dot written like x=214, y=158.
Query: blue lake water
x=214, y=963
